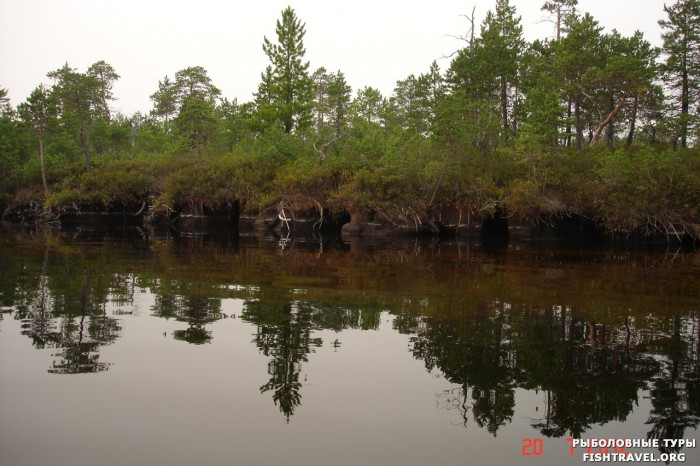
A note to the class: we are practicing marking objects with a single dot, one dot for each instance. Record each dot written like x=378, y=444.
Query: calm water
x=129, y=348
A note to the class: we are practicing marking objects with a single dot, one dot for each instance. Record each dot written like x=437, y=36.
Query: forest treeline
x=588, y=123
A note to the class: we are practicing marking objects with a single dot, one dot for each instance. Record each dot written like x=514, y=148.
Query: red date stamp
x=532, y=447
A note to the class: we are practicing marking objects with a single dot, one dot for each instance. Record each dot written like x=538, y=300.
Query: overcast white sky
x=374, y=43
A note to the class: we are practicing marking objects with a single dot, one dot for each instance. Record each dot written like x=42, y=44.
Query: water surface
x=127, y=347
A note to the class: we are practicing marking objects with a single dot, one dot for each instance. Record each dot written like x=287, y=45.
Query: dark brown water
x=129, y=348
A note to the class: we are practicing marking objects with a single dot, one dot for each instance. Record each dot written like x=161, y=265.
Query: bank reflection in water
x=65, y=312
x=590, y=373
x=487, y=323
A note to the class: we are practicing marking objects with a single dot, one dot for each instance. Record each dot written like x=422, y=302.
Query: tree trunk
x=633, y=120
x=685, y=100
x=43, y=170
x=579, y=127
x=558, y=23
x=513, y=117
x=471, y=31
x=610, y=129
x=504, y=109
x=81, y=124
x=568, y=124
x=83, y=146
x=609, y=118
x=108, y=117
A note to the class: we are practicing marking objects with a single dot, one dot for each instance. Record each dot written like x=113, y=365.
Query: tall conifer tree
x=291, y=87
x=682, y=68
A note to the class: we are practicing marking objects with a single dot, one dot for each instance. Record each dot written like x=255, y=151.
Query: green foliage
x=215, y=181
x=117, y=182
x=236, y=122
x=331, y=106
x=650, y=190
x=164, y=101
x=104, y=76
x=150, y=137
x=13, y=147
x=200, y=184
x=81, y=101
x=305, y=177
x=508, y=127
x=196, y=122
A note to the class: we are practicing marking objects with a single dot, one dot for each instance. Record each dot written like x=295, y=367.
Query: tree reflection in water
x=68, y=314
x=187, y=303
x=675, y=391
x=284, y=334
x=500, y=334
x=590, y=373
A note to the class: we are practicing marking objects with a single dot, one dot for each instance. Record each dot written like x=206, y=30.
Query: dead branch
x=322, y=151
x=284, y=218
x=143, y=206
x=469, y=38
x=319, y=222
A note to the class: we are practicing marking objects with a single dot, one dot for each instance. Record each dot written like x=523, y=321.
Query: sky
x=373, y=43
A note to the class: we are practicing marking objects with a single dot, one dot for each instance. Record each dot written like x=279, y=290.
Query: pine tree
x=75, y=94
x=681, y=38
x=196, y=98
x=104, y=75
x=627, y=74
x=369, y=105
x=560, y=9
x=164, y=102
x=265, y=113
x=502, y=41
x=338, y=101
x=291, y=88
x=577, y=56
x=541, y=111
x=484, y=81
x=331, y=101
x=36, y=113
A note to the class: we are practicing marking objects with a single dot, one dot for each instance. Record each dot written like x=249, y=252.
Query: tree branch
x=610, y=117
